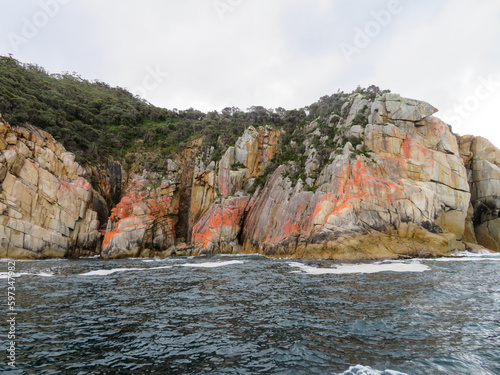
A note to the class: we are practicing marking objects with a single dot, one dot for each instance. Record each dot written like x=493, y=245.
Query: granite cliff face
x=482, y=160
x=46, y=206
x=395, y=185
x=221, y=197
x=143, y=223
x=404, y=192
x=379, y=177
x=148, y=220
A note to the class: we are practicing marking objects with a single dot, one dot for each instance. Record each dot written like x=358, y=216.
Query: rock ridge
x=379, y=176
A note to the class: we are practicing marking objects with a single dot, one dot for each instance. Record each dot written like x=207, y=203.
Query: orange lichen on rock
x=222, y=222
x=357, y=183
x=142, y=209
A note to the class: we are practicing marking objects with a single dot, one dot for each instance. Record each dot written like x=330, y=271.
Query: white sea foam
x=241, y=255
x=343, y=269
x=366, y=370
x=154, y=260
x=477, y=253
x=466, y=259
x=114, y=270
x=212, y=264
x=467, y=256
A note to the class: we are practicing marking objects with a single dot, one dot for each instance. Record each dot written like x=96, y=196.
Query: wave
x=466, y=256
x=212, y=264
x=366, y=370
x=478, y=253
x=363, y=268
x=466, y=259
x=114, y=270
x=241, y=255
x=154, y=260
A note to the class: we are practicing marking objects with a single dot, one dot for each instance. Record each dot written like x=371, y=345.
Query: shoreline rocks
x=46, y=206
x=397, y=183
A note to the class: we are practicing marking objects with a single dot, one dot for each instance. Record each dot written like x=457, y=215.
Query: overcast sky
x=210, y=54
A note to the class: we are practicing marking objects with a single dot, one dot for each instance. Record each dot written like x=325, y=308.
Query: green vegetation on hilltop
x=98, y=122
x=91, y=119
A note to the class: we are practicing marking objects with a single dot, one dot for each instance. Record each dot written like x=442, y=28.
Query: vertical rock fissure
x=187, y=163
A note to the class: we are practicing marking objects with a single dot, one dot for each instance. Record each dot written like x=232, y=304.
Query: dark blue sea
x=254, y=315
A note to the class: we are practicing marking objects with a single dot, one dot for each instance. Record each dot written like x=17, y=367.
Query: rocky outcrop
x=377, y=177
x=396, y=184
x=46, y=206
x=401, y=189
x=143, y=223
x=218, y=229
x=482, y=160
x=152, y=220
x=221, y=191
x=409, y=196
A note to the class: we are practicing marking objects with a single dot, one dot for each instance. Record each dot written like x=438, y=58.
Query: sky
x=212, y=54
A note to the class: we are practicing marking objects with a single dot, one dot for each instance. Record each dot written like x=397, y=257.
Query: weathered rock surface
x=409, y=197
x=143, y=223
x=380, y=177
x=221, y=195
x=219, y=227
x=402, y=191
x=46, y=206
x=482, y=159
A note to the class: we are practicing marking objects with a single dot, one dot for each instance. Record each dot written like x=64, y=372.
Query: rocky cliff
x=143, y=223
x=377, y=176
x=401, y=190
x=394, y=184
x=47, y=209
x=482, y=160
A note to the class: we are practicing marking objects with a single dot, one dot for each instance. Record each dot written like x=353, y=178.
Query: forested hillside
x=98, y=122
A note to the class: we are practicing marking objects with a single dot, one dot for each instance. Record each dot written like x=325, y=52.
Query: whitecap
x=153, y=260
x=212, y=264
x=465, y=259
x=241, y=255
x=466, y=256
x=477, y=253
x=343, y=269
x=114, y=270
x=366, y=370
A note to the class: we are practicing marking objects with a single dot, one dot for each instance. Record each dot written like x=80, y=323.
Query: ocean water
x=255, y=315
